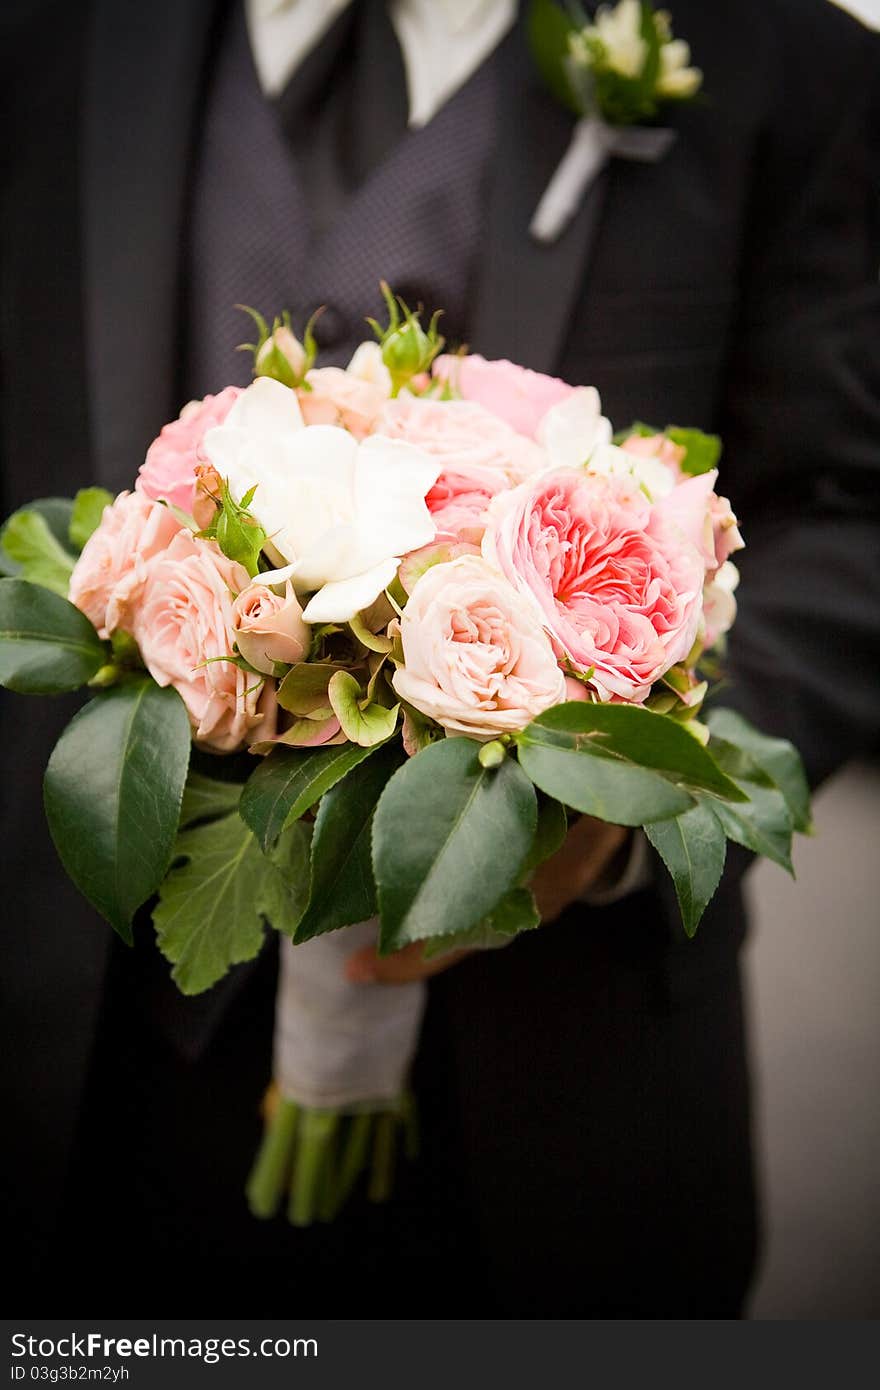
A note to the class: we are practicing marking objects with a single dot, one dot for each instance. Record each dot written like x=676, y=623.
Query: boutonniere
x=616, y=75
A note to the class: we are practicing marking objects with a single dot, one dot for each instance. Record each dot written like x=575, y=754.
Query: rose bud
x=208, y=487
x=283, y=357
x=268, y=628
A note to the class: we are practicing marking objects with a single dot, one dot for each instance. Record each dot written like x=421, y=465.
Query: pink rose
x=131, y=531
x=726, y=538
x=341, y=398
x=169, y=470
x=268, y=628
x=181, y=616
x=618, y=585
x=477, y=658
x=481, y=455
x=515, y=394
x=656, y=446
x=719, y=603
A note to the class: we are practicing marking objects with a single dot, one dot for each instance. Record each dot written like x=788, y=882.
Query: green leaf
x=449, y=840
x=46, y=645
x=764, y=823
x=516, y=912
x=112, y=793
x=286, y=891
x=206, y=798
x=620, y=763
x=88, y=508
x=342, y=886
x=303, y=691
x=693, y=848
x=550, y=833
x=290, y=781
x=210, y=910
x=703, y=450
x=548, y=30
x=56, y=512
x=373, y=641
x=40, y=558
x=363, y=721
x=778, y=758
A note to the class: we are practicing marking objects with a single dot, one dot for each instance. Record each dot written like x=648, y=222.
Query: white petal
x=337, y=602
x=266, y=408
x=571, y=430
x=391, y=483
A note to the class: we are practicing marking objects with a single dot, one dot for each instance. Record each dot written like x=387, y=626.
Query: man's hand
x=588, y=859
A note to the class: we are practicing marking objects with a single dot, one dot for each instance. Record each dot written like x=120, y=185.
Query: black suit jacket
x=733, y=286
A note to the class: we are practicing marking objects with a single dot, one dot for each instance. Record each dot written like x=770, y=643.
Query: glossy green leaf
x=516, y=912
x=112, y=792
x=703, y=451
x=363, y=721
x=342, y=887
x=550, y=833
x=693, y=848
x=207, y=798
x=285, y=893
x=620, y=763
x=548, y=29
x=46, y=645
x=214, y=903
x=41, y=559
x=88, y=508
x=778, y=758
x=449, y=840
x=290, y=781
x=56, y=512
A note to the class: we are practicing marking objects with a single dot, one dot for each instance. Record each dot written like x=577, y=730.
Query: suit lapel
x=526, y=291
x=142, y=87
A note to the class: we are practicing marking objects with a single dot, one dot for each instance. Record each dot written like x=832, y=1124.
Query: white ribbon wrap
x=339, y=1044
x=592, y=144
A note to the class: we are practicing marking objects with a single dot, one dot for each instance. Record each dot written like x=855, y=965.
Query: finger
x=366, y=966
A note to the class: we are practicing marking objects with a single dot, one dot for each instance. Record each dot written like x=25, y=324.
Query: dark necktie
x=345, y=108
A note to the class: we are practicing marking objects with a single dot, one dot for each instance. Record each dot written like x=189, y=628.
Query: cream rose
x=181, y=616
x=268, y=628
x=476, y=656
x=341, y=514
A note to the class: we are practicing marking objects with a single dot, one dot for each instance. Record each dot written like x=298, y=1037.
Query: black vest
x=415, y=221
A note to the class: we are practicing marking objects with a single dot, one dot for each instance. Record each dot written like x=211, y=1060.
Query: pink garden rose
x=168, y=472
x=618, y=583
x=726, y=538
x=481, y=455
x=180, y=612
x=340, y=398
x=131, y=531
x=515, y=394
x=477, y=658
x=269, y=628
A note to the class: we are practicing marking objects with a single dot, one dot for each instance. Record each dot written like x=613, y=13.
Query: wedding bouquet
x=447, y=610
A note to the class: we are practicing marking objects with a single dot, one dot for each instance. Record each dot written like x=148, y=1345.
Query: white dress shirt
x=443, y=42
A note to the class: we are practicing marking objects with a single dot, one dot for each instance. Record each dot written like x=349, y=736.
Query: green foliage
x=620, y=763
x=214, y=903
x=776, y=757
x=46, y=645
x=693, y=848
x=56, y=512
x=550, y=833
x=342, y=887
x=449, y=840
x=363, y=720
x=407, y=347
x=548, y=30
x=206, y=798
x=516, y=912
x=88, y=508
x=113, y=792
x=39, y=556
x=703, y=451
x=238, y=534
x=763, y=823
x=290, y=781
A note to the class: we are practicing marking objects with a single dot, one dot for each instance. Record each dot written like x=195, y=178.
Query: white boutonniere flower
x=615, y=74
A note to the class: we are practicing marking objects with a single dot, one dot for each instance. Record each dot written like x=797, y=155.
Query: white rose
x=477, y=658
x=573, y=428
x=651, y=475
x=339, y=515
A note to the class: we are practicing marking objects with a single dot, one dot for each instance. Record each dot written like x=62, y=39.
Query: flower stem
x=269, y=1173
x=314, y=1148
x=382, y=1175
